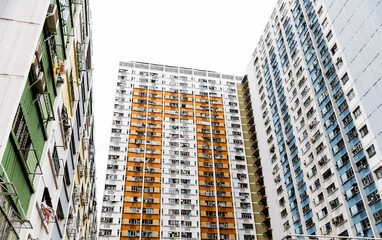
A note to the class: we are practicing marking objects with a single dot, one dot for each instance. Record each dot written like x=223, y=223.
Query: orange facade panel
x=128, y=204
x=206, y=188
x=133, y=154
x=123, y=237
x=207, y=219
x=208, y=155
x=152, y=195
x=227, y=231
x=207, y=208
x=142, y=174
x=139, y=184
x=131, y=215
x=226, y=220
x=206, y=198
x=209, y=230
x=132, y=194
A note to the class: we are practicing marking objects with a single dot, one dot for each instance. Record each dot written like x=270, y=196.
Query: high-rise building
x=177, y=165
x=47, y=163
x=313, y=86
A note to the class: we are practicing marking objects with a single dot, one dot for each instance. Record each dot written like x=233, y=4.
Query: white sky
x=204, y=34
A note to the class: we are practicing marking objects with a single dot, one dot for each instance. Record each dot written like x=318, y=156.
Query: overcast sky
x=216, y=35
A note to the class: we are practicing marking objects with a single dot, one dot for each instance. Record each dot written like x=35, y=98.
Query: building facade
x=313, y=86
x=47, y=163
x=177, y=160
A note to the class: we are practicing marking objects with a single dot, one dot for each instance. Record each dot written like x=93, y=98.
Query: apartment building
x=313, y=86
x=177, y=160
x=47, y=157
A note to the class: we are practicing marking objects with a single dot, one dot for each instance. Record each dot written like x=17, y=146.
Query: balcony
x=252, y=128
x=267, y=220
x=268, y=232
x=259, y=171
x=245, y=81
x=253, y=136
x=247, y=98
x=262, y=190
x=248, y=106
x=251, y=121
x=247, y=92
x=250, y=114
x=257, y=162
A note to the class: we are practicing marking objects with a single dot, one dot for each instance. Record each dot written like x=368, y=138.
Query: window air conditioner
x=52, y=18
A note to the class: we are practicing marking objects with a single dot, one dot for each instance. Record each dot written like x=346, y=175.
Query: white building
x=176, y=165
x=314, y=84
x=46, y=122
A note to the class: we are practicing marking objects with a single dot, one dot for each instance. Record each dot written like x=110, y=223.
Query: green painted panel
x=47, y=65
x=59, y=45
x=33, y=118
x=69, y=23
x=59, y=37
x=90, y=112
x=17, y=174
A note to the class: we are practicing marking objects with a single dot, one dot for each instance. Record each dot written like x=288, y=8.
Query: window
x=334, y=49
x=351, y=94
x=212, y=236
x=331, y=188
x=345, y=78
x=247, y=226
x=186, y=212
x=249, y=237
x=173, y=223
x=186, y=223
x=173, y=234
x=329, y=35
x=327, y=228
x=320, y=11
x=378, y=173
x=71, y=84
x=357, y=112
x=364, y=131
x=286, y=225
x=46, y=204
x=113, y=187
x=56, y=160
x=371, y=151
x=339, y=62
x=173, y=211
x=334, y=203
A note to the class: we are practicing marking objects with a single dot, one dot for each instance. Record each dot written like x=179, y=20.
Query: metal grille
x=21, y=131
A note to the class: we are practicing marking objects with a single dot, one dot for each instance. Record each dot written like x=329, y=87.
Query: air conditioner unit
x=39, y=84
x=51, y=18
